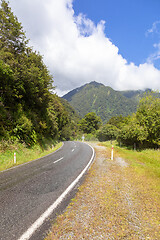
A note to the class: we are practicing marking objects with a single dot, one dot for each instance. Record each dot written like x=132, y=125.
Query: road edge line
x=48, y=212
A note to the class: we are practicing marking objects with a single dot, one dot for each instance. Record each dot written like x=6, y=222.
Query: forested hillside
x=29, y=110
x=104, y=101
x=140, y=130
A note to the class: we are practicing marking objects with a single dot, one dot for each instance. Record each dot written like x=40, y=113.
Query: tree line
x=29, y=110
x=141, y=129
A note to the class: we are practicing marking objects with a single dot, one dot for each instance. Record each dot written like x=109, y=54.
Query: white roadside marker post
x=83, y=138
x=112, y=153
x=14, y=158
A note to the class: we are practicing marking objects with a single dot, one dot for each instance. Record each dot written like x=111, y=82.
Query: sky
x=113, y=42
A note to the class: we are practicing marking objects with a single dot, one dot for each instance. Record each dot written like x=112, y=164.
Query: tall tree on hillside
x=90, y=123
x=12, y=45
x=12, y=38
x=30, y=75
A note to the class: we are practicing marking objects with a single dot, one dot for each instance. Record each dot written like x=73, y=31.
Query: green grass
x=24, y=154
x=145, y=161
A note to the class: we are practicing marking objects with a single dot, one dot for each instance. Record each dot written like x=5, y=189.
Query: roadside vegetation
x=145, y=162
x=23, y=153
x=32, y=117
x=140, y=130
x=29, y=110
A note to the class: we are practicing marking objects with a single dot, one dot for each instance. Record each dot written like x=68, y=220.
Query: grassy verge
x=24, y=154
x=145, y=162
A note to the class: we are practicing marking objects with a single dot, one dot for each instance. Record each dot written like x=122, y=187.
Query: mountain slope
x=104, y=101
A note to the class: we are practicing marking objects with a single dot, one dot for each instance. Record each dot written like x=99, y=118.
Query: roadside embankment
x=17, y=153
x=115, y=202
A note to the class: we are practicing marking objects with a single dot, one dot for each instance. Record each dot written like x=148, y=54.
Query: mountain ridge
x=103, y=100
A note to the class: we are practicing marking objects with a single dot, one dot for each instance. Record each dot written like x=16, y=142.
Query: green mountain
x=73, y=115
x=104, y=101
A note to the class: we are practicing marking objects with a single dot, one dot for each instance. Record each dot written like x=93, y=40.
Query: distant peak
x=94, y=83
x=148, y=90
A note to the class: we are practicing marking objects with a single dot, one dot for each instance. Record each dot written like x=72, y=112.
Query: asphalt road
x=28, y=190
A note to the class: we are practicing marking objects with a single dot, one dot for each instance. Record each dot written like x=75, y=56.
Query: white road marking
x=26, y=174
x=49, y=211
x=46, y=165
x=58, y=160
x=72, y=150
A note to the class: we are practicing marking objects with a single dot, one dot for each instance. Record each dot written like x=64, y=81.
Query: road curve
x=28, y=190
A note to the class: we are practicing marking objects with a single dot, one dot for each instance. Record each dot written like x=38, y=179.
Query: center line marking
x=58, y=160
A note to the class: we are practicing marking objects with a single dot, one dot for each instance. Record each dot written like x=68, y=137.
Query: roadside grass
x=25, y=154
x=145, y=162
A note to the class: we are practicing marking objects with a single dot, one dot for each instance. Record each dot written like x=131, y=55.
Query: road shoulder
x=112, y=203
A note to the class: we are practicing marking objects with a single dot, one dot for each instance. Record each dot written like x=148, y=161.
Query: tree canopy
x=90, y=123
x=107, y=132
x=28, y=109
x=143, y=129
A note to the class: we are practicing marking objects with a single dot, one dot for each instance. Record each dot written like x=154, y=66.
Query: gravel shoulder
x=114, y=202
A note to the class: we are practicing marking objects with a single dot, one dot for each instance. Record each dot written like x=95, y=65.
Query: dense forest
x=103, y=100
x=29, y=110
x=140, y=130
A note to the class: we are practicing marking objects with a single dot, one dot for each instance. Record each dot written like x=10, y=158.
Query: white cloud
x=76, y=50
x=156, y=55
x=154, y=29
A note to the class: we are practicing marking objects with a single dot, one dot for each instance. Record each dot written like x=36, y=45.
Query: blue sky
x=114, y=42
x=127, y=23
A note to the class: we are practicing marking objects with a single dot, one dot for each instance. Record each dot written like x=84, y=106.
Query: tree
x=118, y=121
x=144, y=126
x=107, y=132
x=12, y=38
x=132, y=133
x=148, y=115
x=90, y=123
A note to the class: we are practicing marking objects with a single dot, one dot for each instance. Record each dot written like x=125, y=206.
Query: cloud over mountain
x=76, y=50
